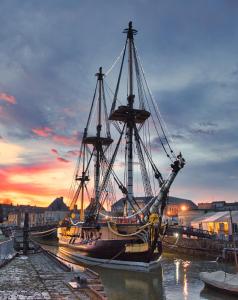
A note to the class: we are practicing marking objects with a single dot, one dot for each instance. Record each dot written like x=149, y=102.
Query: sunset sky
x=49, y=53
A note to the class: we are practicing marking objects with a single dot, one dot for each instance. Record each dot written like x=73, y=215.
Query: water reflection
x=177, y=265
x=185, y=264
x=133, y=285
x=177, y=278
x=210, y=294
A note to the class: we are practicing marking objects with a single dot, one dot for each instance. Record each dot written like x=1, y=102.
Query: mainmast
x=130, y=121
x=130, y=116
x=98, y=144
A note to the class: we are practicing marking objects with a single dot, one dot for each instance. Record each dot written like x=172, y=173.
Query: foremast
x=98, y=143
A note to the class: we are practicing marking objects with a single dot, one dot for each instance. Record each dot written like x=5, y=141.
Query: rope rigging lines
x=134, y=134
x=139, y=211
x=119, y=80
x=155, y=106
x=115, y=62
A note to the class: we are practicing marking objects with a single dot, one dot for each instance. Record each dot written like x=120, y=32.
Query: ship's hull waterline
x=106, y=249
x=110, y=264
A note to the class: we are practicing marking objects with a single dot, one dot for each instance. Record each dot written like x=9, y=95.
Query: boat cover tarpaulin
x=221, y=280
x=221, y=216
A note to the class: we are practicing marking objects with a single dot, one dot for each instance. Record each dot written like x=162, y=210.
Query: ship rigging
x=134, y=126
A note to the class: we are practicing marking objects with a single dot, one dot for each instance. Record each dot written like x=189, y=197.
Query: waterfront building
x=173, y=207
x=185, y=217
x=217, y=222
x=118, y=207
x=52, y=214
x=176, y=205
x=56, y=211
x=1, y=214
x=5, y=209
x=17, y=216
x=218, y=206
x=203, y=210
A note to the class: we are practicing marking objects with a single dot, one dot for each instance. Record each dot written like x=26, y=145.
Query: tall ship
x=117, y=174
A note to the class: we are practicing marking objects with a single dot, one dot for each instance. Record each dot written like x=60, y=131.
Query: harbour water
x=177, y=278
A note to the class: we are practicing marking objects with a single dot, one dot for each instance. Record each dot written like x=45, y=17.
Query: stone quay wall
x=6, y=250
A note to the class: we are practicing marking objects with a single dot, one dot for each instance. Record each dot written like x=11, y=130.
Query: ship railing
x=120, y=220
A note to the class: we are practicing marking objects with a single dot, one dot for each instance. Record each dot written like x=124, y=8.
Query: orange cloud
x=36, y=181
x=44, y=132
x=71, y=140
x=29, y=169
x=5, y=201
x=10, y=153
x=8, y=98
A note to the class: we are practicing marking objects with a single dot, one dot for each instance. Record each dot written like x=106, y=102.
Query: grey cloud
x=50, y=51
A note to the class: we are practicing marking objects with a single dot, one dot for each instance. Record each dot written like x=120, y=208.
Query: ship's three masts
x=128, y=119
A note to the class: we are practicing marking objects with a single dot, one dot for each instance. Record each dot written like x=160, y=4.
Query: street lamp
x=184, y=208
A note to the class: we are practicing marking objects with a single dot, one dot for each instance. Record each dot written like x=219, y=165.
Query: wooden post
x=25, y=234
x=233, y=239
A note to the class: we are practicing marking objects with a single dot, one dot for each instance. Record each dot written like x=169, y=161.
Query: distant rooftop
x=58, y=204
x=176, y=200
x=218, y=205
x=171, y=200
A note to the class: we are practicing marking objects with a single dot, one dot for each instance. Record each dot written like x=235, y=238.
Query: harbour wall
x=206, y=248
x=7, y=251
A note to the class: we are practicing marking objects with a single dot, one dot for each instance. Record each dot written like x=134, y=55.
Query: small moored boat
x=221, y=280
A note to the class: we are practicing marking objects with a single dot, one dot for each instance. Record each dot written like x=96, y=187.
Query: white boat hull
x=220, y=280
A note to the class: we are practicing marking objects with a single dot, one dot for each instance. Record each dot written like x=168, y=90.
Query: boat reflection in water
x=174, y=279
x=123, y=284
x=209, y=294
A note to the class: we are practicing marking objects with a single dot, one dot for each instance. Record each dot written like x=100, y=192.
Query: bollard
x=25, y=234
x=82, y=280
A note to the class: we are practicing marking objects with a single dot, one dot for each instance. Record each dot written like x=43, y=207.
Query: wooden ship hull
x=104, y=247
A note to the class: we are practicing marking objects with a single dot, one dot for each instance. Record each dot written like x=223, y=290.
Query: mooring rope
x=43, y=232
x=75, y=224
